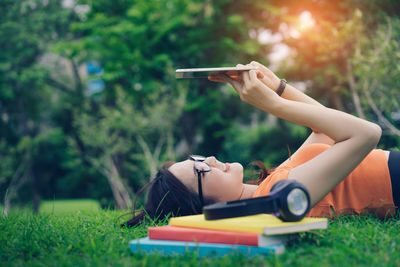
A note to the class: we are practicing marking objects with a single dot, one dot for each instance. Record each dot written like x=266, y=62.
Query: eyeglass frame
x=197, y=158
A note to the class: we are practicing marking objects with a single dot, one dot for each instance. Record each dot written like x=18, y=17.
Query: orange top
x=367, y=188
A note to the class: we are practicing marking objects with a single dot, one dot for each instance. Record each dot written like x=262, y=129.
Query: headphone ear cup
x=285, y=187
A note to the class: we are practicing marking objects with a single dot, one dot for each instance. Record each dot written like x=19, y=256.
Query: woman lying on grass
x=338, y=163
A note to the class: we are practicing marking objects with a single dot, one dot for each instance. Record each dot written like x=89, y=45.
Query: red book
x=174, y=233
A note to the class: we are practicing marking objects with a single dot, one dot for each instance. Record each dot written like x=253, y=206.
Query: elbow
x=373, y=134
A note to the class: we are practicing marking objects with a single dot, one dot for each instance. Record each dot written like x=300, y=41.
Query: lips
x=227, y=167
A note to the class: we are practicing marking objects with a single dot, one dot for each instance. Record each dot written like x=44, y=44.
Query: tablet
x=204, y=72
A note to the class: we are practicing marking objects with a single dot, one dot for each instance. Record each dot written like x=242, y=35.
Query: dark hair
x=262, y=174
x=264, y=171
x=167, y=196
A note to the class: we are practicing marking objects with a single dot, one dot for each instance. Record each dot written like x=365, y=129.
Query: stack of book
x=251, y=235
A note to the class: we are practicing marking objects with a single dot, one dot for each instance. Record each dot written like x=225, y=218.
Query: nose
x=212, y=161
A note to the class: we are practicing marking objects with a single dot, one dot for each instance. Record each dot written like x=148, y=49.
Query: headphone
x=289, y=200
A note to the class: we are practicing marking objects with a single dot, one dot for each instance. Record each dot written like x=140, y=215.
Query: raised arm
x=291, y=93
x=354, y=138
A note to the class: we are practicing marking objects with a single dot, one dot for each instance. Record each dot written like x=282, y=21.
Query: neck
x=248, y=191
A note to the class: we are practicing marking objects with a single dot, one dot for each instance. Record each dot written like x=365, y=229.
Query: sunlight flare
x=306, y=20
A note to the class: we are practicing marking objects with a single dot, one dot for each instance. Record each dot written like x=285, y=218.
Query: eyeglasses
x=200, y=167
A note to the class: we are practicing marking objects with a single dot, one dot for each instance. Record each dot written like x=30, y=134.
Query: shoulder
x=280, y=173
x=302, y=155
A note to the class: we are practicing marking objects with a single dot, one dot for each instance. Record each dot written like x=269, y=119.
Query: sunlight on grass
x=61, y=207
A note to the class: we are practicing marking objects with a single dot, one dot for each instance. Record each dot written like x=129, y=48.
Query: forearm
x=291, y=93
x=272, y=81
x=337, y=125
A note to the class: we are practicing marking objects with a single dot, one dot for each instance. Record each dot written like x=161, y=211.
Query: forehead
x=183, y=170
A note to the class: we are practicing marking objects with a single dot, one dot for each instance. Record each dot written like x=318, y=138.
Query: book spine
x=269, y=240
x=174, y=248
x=218, y=226
x=219, y=237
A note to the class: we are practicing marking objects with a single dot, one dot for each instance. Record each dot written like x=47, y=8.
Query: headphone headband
x=276, y=203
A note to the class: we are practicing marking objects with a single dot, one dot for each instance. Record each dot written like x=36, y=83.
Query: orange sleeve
x=367, y=188
x=281, y=173
x=265, y=187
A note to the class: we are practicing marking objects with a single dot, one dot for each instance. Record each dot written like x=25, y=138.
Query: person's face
x=224, y=182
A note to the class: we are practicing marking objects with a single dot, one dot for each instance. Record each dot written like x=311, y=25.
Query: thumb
x=233, y=82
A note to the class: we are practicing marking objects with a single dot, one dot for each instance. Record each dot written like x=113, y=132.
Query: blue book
x=173, y=248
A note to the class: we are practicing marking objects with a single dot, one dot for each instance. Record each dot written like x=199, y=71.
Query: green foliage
x=60, y=136
x=376, y=66
x=351, y=58
x=265, y=143
x=140, y=47
x=26, y=27
x=114, y=132
x=26, y=30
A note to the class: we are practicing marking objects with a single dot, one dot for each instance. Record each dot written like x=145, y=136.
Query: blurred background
x=90, y=107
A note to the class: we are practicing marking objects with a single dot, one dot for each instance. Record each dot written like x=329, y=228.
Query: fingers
x=251, y=80
x=242, y=73
x=217, y=77
x=253, y=76
x=233, y=82
x=261, y=67
x=246, y=79
x=270, y=79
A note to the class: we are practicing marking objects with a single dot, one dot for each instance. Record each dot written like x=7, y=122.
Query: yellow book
x=261, y=223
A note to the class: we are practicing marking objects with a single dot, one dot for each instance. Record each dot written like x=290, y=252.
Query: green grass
x=94, y=238
x=59, y=207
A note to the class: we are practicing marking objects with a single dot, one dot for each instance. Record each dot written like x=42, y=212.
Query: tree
x=113, y=135
x=350, y=56
x=139, y=45
x=373, y=74
x=26, y=28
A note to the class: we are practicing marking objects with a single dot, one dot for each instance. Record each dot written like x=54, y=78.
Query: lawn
x=94, y=238
x=64, y=207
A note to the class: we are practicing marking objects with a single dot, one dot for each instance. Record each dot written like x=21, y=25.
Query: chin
x=237, y=171
x=236, y=167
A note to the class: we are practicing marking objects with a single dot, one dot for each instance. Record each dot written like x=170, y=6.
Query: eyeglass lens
x=201, y=166
x=197, y=158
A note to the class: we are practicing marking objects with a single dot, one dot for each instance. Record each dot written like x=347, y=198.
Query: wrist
x=281, y=88
x=274, y=105
x=276, y=83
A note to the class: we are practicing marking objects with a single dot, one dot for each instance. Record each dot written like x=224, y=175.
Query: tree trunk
x=23, y=131
x=188, y=128
x=121, y=193
x=355, y=96
x=379, y=114
x=151, y=158
x=337, y=102
x=35, y=191
x=19, y=178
